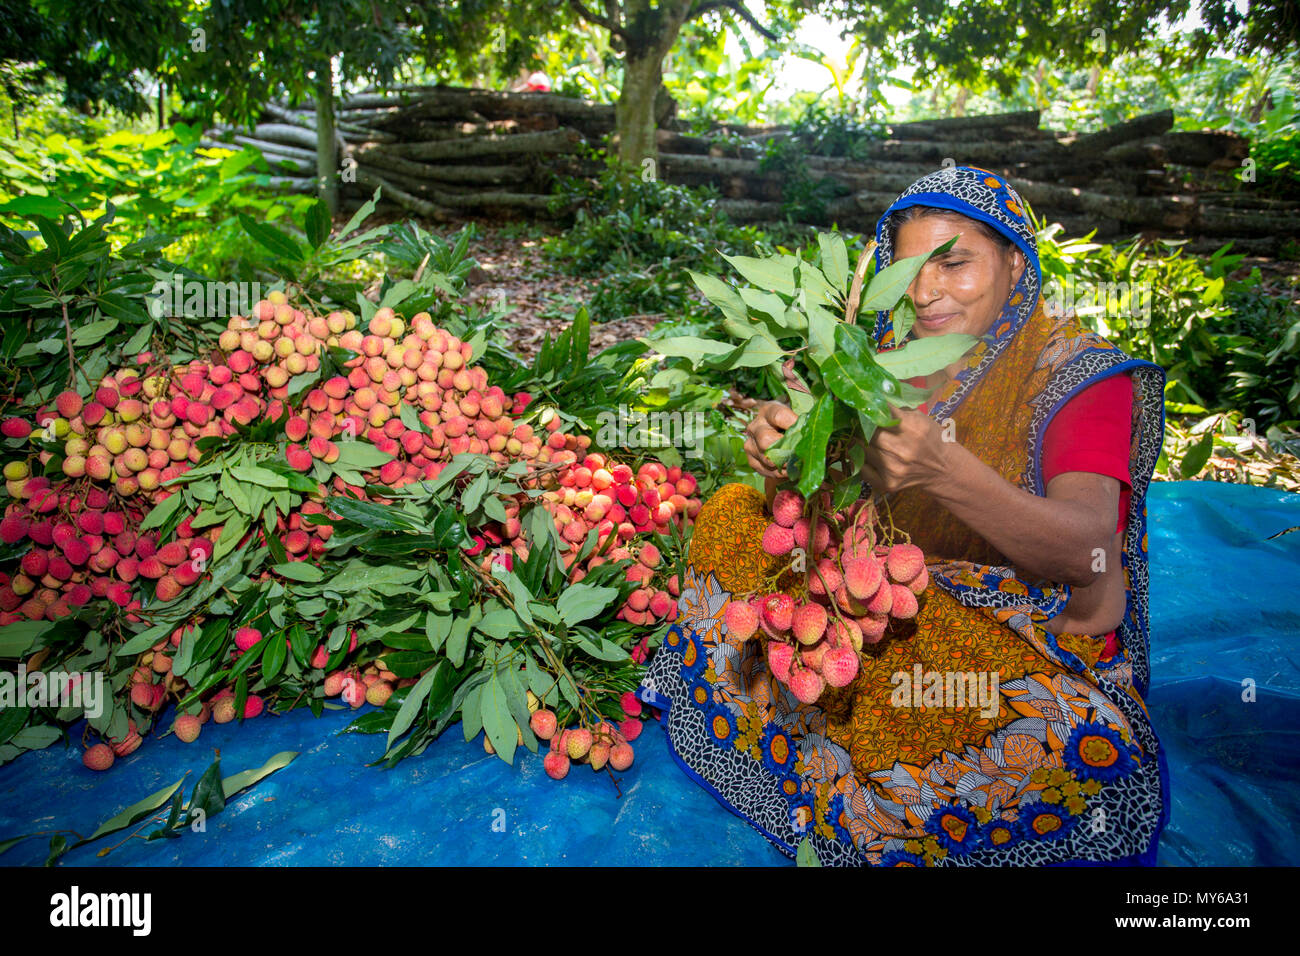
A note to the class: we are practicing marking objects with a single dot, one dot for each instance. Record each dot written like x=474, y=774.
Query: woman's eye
x=955, y=265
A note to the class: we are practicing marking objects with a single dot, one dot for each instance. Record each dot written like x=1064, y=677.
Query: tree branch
x=736, y=7
x=610, y=24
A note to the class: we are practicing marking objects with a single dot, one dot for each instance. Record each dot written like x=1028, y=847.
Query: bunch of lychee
x=852, y=586
x=605, y=743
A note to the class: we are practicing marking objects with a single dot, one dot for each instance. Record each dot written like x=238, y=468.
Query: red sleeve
x=1092, y=432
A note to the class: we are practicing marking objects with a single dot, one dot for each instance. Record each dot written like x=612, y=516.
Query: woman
x=1011, y=480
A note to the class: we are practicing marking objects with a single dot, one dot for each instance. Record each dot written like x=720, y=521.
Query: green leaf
x=273, y=657
x=688, y=347
x=774, y=273
x=1196, y=457
x=299, y=571
x=811, y=450
x=410, y=708
x=94, y=333
x=17, y=639
x=317, y=224
x=497, y=722
x=890, y=283
x=411, y=419
x=925, y=356
x=360, y=456
x=583, y=601
x=208, y=795
x=854, y=377
x=272, y=239
x=135, y=812
x=473, y=494
x=458, y=639
x=835, y=260
x=805, y=855
x=755, y=352
x=244, y=779
x=373, y=516
x=725, y=298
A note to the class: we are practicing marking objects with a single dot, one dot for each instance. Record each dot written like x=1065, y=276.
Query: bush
x=641, y=236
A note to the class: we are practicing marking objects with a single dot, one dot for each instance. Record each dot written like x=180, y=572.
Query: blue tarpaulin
x=1225, y=698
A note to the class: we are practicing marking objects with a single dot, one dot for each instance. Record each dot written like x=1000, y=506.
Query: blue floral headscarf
x=978, y=194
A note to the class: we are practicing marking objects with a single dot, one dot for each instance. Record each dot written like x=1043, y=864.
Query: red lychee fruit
x=777, y=540
x=787, y=508
x=839, y=666
x=809, y=623
x=621, y=756
x=904, y=562
x=543, y=723
x=578, y=742
x=904, y=602
x=246, y=637
x=187, y=727
x=98, y=757
x=741, y=620
x=778, y=611
x=556, y=765
x=806, y=684
x=779, y=658
x=862, y=577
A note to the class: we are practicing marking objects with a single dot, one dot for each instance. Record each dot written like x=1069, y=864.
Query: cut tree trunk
x=326, y=148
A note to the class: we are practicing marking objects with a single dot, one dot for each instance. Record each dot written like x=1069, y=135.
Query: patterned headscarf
x=978, y=194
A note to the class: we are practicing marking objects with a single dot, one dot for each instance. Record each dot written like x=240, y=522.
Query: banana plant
x=795, y=315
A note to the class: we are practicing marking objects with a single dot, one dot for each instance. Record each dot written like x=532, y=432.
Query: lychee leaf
x=497, y=722
x=133, y=813
x=890, y=284
x=410, y=708
x=811, y=450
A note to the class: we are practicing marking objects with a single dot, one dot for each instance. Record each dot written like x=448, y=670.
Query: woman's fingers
x=779, y=416
x=758, y=461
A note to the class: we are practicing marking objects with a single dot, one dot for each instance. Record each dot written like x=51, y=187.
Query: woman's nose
x=925, y=287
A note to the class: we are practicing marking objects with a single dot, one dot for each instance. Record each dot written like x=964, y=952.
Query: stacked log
x=445, y=152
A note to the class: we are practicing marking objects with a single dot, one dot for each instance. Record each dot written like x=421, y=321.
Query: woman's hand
x=770, y=420
x=911, y=453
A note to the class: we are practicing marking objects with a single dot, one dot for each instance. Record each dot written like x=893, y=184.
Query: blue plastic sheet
x=1223, y=626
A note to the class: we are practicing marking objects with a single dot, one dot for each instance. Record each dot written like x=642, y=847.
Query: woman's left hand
x=914, y=452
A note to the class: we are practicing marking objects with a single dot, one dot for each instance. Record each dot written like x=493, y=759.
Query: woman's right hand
x=771, y=419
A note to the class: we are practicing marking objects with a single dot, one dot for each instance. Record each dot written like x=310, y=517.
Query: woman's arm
x=1060, y=537
x=1055, y=537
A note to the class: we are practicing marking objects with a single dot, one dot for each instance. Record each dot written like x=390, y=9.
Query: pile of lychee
x=140, y=427
x=852, y=587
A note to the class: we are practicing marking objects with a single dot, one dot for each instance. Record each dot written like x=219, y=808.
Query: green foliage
x=164, y=181
x=640, y=235
x=71, y=309
x=796, y=318
x=1223, y=343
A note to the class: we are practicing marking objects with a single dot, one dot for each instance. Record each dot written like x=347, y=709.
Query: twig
x=859, y=276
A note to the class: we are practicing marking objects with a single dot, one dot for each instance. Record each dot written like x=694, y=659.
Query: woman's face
x=963, y=289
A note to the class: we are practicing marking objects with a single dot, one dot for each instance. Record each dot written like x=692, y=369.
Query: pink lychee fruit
x=741, y=620
x=904, y=562
x=98, y=757
x=839, y=666
x=809, y=623
x=806, y=684
x=778, y=611
x=787, y=507
x=187, y=727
